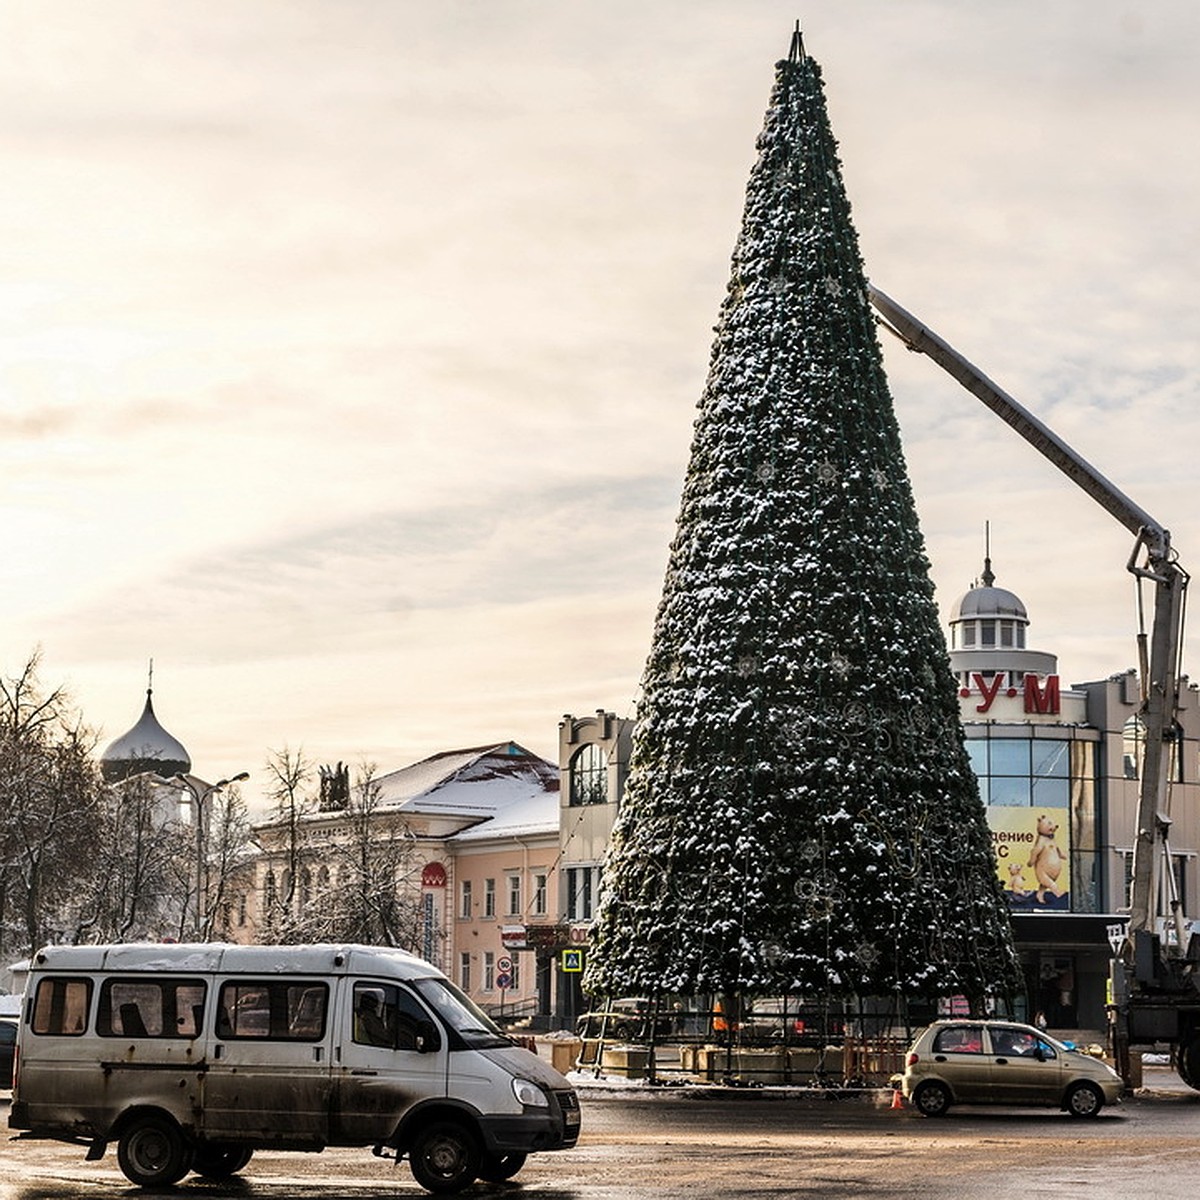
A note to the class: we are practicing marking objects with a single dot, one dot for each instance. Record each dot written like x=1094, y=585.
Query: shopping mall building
x=1058, y=773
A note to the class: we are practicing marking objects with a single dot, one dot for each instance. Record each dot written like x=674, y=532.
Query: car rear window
x=60, y=1006
x=959, y=1039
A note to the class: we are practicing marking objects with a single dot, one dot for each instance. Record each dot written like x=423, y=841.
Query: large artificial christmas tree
x=800, y=814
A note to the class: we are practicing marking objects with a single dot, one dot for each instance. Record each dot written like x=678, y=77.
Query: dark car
x=8, y=1047
x=628, y=1019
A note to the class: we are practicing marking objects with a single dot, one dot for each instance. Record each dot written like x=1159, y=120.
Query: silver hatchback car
x=1002, y=1062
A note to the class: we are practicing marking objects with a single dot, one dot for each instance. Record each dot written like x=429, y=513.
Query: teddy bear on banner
x=1047, y=860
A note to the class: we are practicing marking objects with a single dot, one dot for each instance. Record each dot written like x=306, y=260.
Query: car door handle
x=1002, y=1062
x=364, y=1072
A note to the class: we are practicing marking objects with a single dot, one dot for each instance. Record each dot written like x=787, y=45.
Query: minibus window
x=388, y=1016
x=61, y=1006
x=473, y=1027
x=138, y=1007
x=273, y=1009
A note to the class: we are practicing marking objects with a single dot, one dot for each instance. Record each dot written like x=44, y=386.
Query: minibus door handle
x=364, y=1072
x=218, y=1050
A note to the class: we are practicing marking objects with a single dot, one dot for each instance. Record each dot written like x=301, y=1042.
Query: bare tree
x=376, y=899
x=50, y=797
x=347, y=871
x=138, y=882
x=229, y=848
x=289, y=773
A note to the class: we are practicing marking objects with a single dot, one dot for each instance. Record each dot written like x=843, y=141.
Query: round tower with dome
x=988, y=627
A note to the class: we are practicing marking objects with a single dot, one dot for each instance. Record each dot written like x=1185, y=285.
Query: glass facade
x=1056, y=776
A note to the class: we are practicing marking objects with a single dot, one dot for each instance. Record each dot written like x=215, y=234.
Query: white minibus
x=191, y=1057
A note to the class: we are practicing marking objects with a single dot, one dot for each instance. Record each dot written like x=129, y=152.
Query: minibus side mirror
x=427, y=1037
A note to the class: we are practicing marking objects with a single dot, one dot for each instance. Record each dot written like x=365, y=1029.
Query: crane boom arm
x=1161, y=674
x=920, y=338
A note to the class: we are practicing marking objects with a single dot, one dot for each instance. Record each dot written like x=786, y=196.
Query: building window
x=269, y=891
x=539, y=895
x=464, y=971
x=464, y=899
x=489, y=971
x=1132, y=742
x=1178, y=869
x=1006, y=633
x=514, y=895
x=589, y=776
x=987, y=634
x=581, y=885
x=968, y=632
x=489, y=897
x=515, y=974
x=242, y=910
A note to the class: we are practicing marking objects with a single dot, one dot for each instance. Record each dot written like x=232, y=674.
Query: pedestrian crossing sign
x=572, y=960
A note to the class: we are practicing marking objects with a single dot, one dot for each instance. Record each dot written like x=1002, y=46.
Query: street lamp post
x=199, y=796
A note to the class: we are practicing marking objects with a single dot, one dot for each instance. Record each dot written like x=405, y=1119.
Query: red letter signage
x=1041, y=698
x=988, y=688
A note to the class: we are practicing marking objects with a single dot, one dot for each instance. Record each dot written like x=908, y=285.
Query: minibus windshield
x=461, y=1014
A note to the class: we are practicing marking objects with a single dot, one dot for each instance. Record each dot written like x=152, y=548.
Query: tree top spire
x=796, y=53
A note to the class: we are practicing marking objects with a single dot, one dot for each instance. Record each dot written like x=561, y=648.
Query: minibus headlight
x=530, y=1094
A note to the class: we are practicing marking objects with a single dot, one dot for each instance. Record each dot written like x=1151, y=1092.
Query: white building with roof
x=481, y=829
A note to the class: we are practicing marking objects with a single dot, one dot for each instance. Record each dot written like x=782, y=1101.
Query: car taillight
x=16, y=1064
x=912, y=1059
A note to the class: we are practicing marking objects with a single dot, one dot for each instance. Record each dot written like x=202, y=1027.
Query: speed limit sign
x=504, y=965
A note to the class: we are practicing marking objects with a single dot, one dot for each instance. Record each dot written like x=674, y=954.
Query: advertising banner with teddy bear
x=1033, y=857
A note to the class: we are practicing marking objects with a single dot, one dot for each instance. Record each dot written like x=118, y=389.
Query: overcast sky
x=350, y=348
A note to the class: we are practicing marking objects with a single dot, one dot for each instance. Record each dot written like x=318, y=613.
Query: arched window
x=589, y=776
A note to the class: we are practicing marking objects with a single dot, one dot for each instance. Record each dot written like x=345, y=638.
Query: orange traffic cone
x=897, y=1099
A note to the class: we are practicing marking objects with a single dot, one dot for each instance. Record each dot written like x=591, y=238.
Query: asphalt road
x=694, y=1143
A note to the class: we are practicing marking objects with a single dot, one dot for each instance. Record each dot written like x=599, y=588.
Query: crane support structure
x=1154, y=560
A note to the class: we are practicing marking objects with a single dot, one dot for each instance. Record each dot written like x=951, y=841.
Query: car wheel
x=445, y=1157
x=496, y=1168
x=152, y=1152
x=621, y=1031
x=1187, y=1063
x=1084, y=1100
x=220, y=1160
x=932, y=1099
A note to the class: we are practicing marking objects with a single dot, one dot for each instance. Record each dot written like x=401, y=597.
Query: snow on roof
x=503, y=790
x=500, y=790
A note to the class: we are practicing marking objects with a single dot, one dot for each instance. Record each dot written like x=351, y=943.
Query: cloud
x=352, y=348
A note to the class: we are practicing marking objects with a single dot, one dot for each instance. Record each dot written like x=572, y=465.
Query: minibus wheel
x=445, y=1157
x=220, y=1160
x=152, y=1152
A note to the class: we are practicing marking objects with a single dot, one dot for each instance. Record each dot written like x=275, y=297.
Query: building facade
x=463, y=843
x=1058, y=773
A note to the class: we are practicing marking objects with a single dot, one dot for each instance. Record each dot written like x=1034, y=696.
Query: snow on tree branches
x=800, y=814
